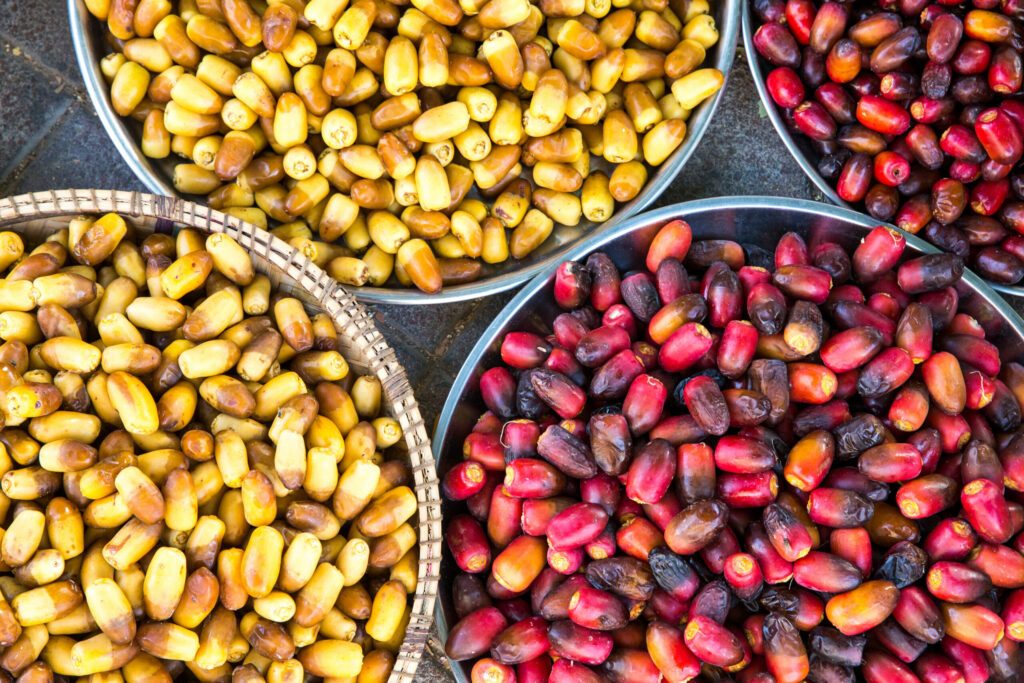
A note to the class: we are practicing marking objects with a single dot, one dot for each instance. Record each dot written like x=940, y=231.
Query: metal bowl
x=798, y=145
x=752, y=221
x=90, y=46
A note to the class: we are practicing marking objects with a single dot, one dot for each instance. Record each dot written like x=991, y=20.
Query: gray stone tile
x=416, y=364
x=434, y=667
x=429, y=327
x=76, y=153
x=1017, y=303
x=41, y=28
x=467, y=336
x=431, y=394
x=493, y=305
x=430, y=380
x=741, y=154
x=29, y=109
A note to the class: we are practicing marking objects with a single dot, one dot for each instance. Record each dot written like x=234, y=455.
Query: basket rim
x=350, y=318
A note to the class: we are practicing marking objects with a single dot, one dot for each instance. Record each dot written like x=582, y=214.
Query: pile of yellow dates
x=413, y=138
x=192, y=478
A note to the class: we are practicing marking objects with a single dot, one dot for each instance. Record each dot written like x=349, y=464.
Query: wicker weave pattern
x=36, y=215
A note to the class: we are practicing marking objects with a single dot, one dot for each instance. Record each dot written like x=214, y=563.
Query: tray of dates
x=421, y=153
x=908, y=110
x=739, y=439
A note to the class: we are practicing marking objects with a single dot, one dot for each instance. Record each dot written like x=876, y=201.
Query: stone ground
x=51, y=139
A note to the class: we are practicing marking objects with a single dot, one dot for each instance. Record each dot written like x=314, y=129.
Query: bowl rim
x=83, y=40
x=664, y=214
x=790, y=142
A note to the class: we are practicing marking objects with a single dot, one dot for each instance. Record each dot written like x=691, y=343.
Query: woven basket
x=38, y=214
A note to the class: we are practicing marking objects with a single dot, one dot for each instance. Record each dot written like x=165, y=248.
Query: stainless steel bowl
x=754, y=221
x=798, y=145
x=90, y=47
